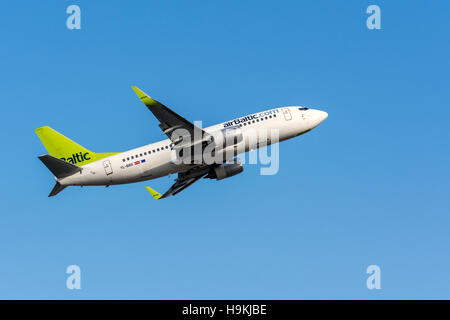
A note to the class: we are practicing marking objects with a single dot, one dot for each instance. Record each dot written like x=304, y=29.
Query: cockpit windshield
x=303, y=108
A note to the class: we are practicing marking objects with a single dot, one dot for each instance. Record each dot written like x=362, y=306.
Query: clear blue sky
x=368, y=186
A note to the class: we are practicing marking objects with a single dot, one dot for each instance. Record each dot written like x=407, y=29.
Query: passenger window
x=266, y=118
x=157, y=149
x=123, y=160
x=274, y=115
x=128, y=159
x=145, y=153
x=167, y=147
x=141, y=154
x=132, y=157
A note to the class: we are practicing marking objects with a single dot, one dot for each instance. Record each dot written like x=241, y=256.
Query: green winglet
x=155, y=194
x=149, y=102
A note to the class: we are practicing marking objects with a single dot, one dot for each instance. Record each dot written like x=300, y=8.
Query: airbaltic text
x=250, y=118
x=77, y=157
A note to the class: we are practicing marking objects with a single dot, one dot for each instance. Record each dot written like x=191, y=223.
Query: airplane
x=74, y=165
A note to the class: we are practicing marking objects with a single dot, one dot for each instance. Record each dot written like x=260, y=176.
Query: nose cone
x=322, y=115
x=318, y=117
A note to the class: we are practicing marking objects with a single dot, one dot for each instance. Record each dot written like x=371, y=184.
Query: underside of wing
x=177, y=187
x=184, y=180
x=169, y=120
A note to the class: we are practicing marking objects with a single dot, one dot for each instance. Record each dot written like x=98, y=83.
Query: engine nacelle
x=226, y=170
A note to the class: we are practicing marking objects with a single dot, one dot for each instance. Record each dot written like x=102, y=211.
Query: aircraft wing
x=184, y=180
x=169, y=120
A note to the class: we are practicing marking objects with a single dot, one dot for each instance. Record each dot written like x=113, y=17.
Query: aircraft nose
x=318, y=117
x=322, y=115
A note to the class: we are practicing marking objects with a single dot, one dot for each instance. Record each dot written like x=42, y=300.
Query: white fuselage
x=156, y=160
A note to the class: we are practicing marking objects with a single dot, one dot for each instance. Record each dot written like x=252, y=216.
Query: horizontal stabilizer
x=58, y=167
x=56, y=189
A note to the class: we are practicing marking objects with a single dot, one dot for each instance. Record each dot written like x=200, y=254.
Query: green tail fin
x=65, y=149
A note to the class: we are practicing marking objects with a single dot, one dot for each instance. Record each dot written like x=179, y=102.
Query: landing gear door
x=107, y=167
x=287, y=114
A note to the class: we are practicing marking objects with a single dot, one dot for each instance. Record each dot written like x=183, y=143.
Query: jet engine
x=225, y=170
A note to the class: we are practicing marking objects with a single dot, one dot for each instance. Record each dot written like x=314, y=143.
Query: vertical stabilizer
x=63, y=148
